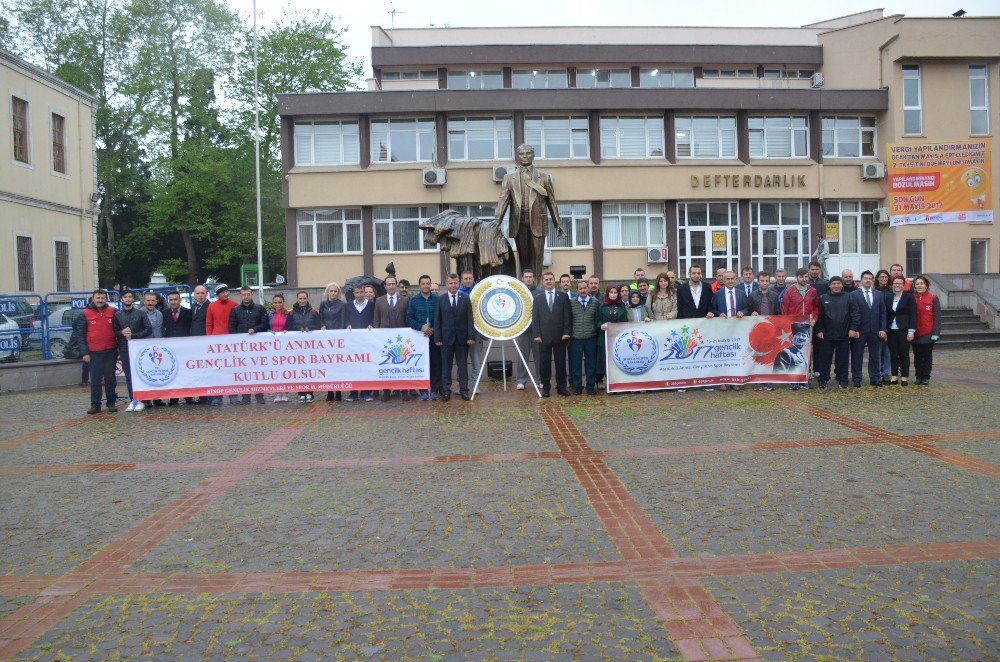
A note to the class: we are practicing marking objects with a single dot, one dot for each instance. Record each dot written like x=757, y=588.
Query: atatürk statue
x=529, y=194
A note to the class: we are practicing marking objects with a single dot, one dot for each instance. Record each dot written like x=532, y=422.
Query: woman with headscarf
x=637, y=310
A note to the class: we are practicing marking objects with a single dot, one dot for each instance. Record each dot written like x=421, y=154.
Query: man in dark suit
x=749, y=284
x=359, y=314
x=551, y=327
x=694, y=298
x=177, y=324
x=454, y=333
x=390, y=313
x=871, y=332
x=729, y=300
x=199, y=308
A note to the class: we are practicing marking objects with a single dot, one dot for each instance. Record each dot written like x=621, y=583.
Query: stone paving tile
x=816, y=498
x=987, y=450
x=135, y=440
x=448, y=515
x=593, y=621
x=711, y=418
x=50, y=524
x=933, y=611
x=979, y=360
x=69, y=402
x=513, y=430
x=12, y=604
x=13, y=428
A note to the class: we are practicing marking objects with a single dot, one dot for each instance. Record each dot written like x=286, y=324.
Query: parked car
x=10, y=340
x=24, y=315
x=60, y=322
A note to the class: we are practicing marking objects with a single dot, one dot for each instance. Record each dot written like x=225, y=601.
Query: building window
x=603, y=78
x=728, y=73
x=25, y=260
x=429, y=74
x=474, y=80
x=482, y=212
x=788, y=73
x=480, y=138
x=402, y=140
x=912, y=115
x=633, y=224
x=706, y=137
x=779, y=235
x=979, y=104
x=59, y=143
x=19, y=108
x=666, y=78
x=856, y=232
x=329, y=231
x=397, y=229
x=779, y=137
x=847, y=137
x=62, y=266
x=538, y=79
x=326, y=143
x=575, y=219
x=632, y=137
x=978, y=263
x=914, y=257
x=708, y=236
x=558, y=137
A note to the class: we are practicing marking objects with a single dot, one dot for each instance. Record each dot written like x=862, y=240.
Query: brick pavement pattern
x=855, y=524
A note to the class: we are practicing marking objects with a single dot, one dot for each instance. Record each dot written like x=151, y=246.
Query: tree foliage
x=175, y=167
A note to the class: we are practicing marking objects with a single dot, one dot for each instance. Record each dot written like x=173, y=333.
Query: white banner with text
x=707, y=352
x=279, y=362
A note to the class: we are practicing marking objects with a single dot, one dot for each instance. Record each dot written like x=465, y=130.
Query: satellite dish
x=279, y=280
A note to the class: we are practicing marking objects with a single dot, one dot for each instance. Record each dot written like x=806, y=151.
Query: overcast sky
x=358, y=15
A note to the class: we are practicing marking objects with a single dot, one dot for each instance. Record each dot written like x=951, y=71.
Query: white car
x=10, y=340
x=60, y=320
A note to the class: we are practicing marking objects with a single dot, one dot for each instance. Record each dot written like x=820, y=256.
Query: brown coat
x=541, y=197
x=390, y=318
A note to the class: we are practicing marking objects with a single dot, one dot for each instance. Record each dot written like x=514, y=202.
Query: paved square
x=446, y=515
x=636, y=526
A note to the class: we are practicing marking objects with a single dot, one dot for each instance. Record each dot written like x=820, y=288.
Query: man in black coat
x=454, y=333
x=199, y=307
x=249, y=317
x=694, y=298
x=177, y=324
x=359, y=314
x=551, y=327
x=838, y=322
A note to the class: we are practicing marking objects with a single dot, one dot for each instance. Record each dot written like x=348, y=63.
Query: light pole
x=256, y=161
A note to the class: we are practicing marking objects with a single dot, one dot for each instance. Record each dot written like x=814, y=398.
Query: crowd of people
x=884, y=313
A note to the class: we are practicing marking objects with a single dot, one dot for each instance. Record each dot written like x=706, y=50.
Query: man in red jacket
x=217, y=324
x=99, y=349
x=801, y=300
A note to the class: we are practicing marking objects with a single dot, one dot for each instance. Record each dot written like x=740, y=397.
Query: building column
x=597, y=236
x=816, y=136
x=367, y=240
x=745, y=255
x=817, y=224
x=670, y=136
x=291, y=247
x=670, y=215
x=518, y=120
x=287, y=131
x=364, y=141
x=441, y=131
x=594, y=127
x=743, y=136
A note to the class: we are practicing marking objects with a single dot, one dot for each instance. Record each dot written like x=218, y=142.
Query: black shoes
x=563, y=392
x=445, y=396
x=465, y=396
x=546, y=393
x=94, y=410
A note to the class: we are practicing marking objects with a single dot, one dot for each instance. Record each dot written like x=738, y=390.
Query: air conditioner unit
x=881, y=216
x=874, y=170
x=816, y=80
x=656, y=255
x=434, y=176
x=499, y=172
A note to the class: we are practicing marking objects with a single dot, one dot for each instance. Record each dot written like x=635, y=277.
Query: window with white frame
x=558, y=137
x=632, y=137
x=326, y=143
x=575, y=219
x=24, y=258
x=779, y=137
x=914, y=256
x=979, y=100
x=19, y=124
x=633, y=224
x=483, y=212
x=706, y=137
x=728, y=73
x=788, y=73
x=912, y=113
x=538, y=79
x=426, y=74
x=58, y=143
x=329, y=231
x=708, y=236
x=779, y=235
x=475, y=80
x=397, y=229
x=402, y=140
x=603, y=78
x=847, y=137
x=856, y=229
x=480, y=138
x=61, y=252
x=666, y=78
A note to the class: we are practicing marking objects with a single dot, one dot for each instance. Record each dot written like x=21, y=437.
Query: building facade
x=48, y=180
x=669, y=147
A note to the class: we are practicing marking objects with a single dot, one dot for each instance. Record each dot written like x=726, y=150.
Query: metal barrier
x=21, y=333
x=59, y=311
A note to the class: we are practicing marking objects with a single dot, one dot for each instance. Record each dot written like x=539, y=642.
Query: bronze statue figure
x=476, y=245
x=531, y=198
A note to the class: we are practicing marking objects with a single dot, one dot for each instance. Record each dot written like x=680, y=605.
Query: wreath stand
x=503, y=365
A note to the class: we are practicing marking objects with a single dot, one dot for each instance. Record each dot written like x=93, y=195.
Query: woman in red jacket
x=928, y=329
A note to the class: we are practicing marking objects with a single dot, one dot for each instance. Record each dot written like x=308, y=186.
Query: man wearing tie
x=749, y=284
x=176, y=324
x=871, y=332
x=454, y=333
x=390, y=313
x=551, y=327
x=199, y=306
x=583, y=340
x=729, y=301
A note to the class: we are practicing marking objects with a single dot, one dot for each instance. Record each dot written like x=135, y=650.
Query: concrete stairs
x=962, y=329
